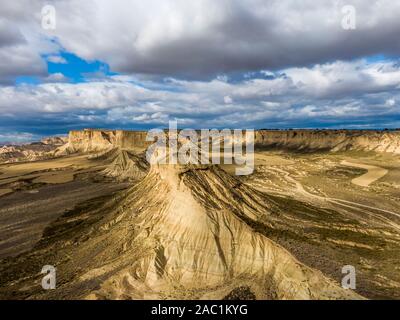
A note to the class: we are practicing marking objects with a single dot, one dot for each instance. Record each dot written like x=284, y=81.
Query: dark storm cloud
x=303, y=97
x=205, y=38
x=253, y=63
x=21, y=43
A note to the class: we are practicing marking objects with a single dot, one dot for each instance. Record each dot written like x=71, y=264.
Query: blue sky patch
x=78, y=69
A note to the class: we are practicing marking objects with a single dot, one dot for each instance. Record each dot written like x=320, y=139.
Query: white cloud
x=320, y=94
x=206, y=37
x=55, y=77
x=390, y=102
x=179, y=60
x=56, y=59
x=228, y=100
x=22, y=41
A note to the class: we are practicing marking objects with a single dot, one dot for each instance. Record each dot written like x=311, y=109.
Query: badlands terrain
x=116, y=227
x=30, y=152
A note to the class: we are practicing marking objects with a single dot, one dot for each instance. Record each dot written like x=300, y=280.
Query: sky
x=207, y=64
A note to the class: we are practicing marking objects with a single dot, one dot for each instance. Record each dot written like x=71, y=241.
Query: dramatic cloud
x=207, y=37
x=22, y=41
x=354, y=94
x=229, y=63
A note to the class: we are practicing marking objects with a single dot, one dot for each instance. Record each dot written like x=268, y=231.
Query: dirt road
x=374, y=173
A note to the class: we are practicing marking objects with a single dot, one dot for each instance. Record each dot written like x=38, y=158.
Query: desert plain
x=116, y=227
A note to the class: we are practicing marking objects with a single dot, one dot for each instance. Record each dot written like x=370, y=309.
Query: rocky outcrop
x=31, y=152
x=55, y=141
x=329, y=140
x=182, y=236
x=94, y=140
x=126, y=166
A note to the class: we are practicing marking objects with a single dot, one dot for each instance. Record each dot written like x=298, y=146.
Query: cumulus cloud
x=56, y=59
x=228, y=100
x=390, y=102
x=22, y=41
x=318, y=96
x=55, y=77
x=206, y=37
x=228, y=63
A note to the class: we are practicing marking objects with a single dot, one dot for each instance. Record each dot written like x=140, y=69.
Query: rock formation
x=182, y=235
x=330, y=140
x=180, y=232
x=55, y=141
x=32, y=151
x=90, y=140
x=126, y=166
x=183, y=232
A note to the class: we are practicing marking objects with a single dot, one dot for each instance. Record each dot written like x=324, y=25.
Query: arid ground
x=108, y=233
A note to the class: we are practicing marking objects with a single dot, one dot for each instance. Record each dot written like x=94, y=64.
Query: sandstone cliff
x=90, y=140
x=94, y=140
x=180, y=234
x=330, y=140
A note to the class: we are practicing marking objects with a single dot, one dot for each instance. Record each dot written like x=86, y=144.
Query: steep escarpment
x=93, y=140
x=329, y=140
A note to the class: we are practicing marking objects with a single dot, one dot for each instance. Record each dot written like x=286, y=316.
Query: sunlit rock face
x=90, y=140
x=184, y=227
x=330, y=140
x=126, y=166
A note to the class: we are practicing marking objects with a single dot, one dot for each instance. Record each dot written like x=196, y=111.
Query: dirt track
x=374, y=173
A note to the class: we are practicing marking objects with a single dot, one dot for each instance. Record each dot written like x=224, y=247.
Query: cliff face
x=330, y=140
x=180, y=233
x=92, y=140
